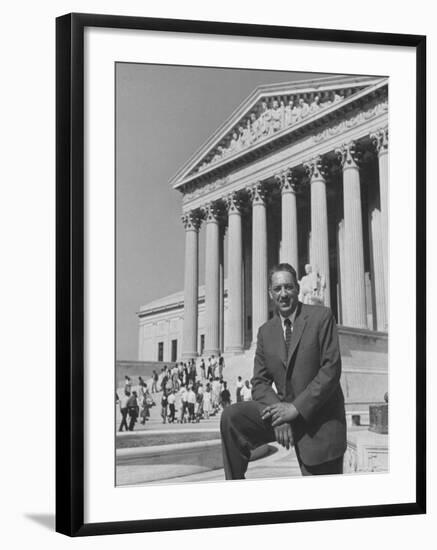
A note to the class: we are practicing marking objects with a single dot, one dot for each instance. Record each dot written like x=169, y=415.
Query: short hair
x=283, y=267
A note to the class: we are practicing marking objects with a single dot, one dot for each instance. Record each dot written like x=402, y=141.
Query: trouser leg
x=242, y=429
x=123, y=423
x=132, y=421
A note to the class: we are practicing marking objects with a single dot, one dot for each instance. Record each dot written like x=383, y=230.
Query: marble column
x=289, y=247
x=222, y=288
x=341, y=271
x=355, y=292
x=259, y=260
x=247, y=281
x=319, y=247
x=191, y=223
x=378, y=269
x=235, y=338
x=212, y=280
x=380, y=140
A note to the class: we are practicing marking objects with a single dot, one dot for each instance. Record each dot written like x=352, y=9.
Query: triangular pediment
x=272, y=111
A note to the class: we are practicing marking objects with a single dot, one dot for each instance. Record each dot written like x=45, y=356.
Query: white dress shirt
x=292, y=317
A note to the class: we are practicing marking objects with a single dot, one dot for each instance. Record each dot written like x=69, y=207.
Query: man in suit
x=298, y=351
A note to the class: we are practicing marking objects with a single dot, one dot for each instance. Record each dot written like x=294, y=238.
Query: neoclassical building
x=298, y=173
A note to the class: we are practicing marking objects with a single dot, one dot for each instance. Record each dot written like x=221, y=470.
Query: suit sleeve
x=262, y=380
x=326, y=381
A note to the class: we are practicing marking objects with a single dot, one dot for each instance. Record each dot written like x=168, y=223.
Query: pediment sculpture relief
x=268, y=118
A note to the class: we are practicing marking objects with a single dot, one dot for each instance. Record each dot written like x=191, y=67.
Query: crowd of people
x=188, y=392
x=185, y=373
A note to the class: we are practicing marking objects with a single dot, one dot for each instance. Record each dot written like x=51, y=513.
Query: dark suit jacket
x=309, y=378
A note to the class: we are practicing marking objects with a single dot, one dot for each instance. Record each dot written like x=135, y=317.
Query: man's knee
x=228, y=417
x=237, y=415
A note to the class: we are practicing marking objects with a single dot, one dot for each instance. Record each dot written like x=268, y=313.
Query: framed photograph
x=240, y=274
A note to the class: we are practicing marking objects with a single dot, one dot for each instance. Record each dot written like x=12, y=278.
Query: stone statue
x=304, y=108
x=234, y=146
x=312, y=287
x=219, y=155
x=282, y=110
x=308, y=285
x=242, y=137
x=247, y=135
x=255, y=129
x=295, y=113
x=315, y=104
x=287, y=113
x=275, y=116
x=265, y=119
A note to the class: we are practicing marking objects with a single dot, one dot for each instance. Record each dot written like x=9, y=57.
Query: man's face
x=284, y=292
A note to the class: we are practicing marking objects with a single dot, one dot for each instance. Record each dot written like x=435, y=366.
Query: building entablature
x=160, y=312
x=275, y=127
x=357, y=127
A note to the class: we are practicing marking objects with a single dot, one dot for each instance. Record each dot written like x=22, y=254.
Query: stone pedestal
x=366, y=452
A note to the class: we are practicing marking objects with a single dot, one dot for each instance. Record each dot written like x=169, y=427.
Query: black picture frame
x=70, y=273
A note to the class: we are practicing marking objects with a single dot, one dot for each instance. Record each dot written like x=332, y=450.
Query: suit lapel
x=298, y=328
x=279, y=340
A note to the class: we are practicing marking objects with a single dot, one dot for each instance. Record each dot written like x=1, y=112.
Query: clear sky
x=163, y=115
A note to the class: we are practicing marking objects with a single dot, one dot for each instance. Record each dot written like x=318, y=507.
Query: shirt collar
x=292, y=317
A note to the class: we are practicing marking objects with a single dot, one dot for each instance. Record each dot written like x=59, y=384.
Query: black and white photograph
x=240, y=217
x=251, y=274
x=217, y=275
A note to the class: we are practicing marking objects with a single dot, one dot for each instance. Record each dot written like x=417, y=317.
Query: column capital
x=287, y=181
x=257, y=194
x=234, y=203
x=348, y=155
x=315, y=169
x=380, y=141
x=192, y=220
x=213, y=212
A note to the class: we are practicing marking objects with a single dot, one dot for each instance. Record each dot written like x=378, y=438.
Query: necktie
x=287, y=324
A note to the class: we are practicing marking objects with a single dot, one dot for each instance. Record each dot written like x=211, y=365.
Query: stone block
x=366, y=452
